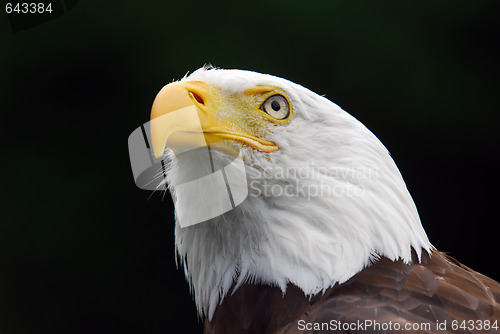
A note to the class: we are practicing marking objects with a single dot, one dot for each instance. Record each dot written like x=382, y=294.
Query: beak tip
x=158, y=151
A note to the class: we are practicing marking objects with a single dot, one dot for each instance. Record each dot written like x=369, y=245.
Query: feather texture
x=421, y=294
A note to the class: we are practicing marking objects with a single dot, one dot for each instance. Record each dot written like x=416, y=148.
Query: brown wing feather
x=437, y=289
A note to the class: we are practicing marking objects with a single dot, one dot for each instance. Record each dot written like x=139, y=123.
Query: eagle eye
x=276, y=106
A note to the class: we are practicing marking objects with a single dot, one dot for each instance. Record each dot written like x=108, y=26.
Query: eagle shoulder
x=435, y=290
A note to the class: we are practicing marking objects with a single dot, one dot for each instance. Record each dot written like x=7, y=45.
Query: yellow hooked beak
x=190, y=114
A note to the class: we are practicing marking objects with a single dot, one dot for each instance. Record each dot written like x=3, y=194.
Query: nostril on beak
x=198, y=98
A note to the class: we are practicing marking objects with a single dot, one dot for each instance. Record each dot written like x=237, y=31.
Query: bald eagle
x=328, y=239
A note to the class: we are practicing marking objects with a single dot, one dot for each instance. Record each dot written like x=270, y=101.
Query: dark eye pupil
x=275, y=105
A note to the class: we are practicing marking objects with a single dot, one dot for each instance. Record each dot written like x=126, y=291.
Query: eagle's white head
x=325, y=197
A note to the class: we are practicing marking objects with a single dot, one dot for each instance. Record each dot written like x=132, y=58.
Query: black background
x=82, y=250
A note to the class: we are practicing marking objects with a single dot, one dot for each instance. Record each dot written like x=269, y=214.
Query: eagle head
x=325, y=199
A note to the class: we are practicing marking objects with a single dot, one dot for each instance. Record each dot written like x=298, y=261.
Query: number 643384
x=28, y=8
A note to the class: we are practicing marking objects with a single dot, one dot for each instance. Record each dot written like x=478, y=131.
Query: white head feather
x=343, y=204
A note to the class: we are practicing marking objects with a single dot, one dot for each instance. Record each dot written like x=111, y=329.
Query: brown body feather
x=436, y=290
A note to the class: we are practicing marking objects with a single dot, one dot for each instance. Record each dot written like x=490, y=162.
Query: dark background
x=82, y=250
